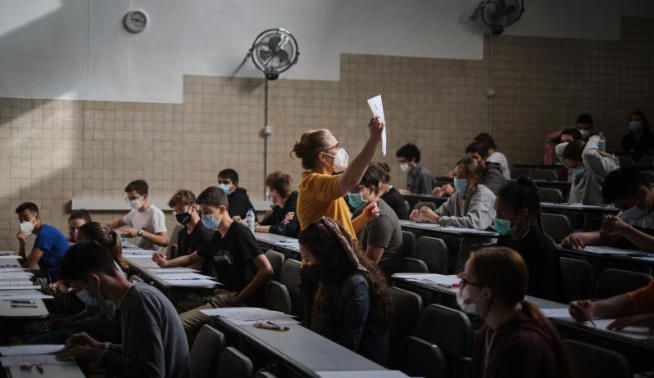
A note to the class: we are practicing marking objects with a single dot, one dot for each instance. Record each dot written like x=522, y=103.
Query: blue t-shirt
x=53, y=243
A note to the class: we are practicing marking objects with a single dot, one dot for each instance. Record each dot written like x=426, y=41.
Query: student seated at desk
x=145, y=221
x=50, y=244
x=494, y=156
x=391, y=195
x=381, y=239
x=635, y=308
x=516, y=339
x=234, y=256
x=471, y=206
x=633, y=227
x=194, y=234
x=639, y=139
x=154, y=343
x=418, y=179
x=282, y=219
x=99, y=318
x=519, y=222
x=77, y=219
x=351, y=304
x=239, y=201
x=492, y=176
x=588, y=166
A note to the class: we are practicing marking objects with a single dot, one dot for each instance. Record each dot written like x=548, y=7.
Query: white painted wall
x=78, y=48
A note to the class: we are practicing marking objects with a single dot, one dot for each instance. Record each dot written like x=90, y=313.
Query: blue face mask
x=502, y=226
x=460, y=185
x=633, y=214
x=89, y=300
x=210, y=222
x=634, y=126
x=224, y=187
x=356, y=200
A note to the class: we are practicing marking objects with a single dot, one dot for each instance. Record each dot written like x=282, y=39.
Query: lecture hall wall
x=86, y=107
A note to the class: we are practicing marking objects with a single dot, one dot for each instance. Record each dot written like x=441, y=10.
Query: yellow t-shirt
x=318, y=195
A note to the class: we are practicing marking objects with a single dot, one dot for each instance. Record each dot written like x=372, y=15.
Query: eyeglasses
x=465, y=282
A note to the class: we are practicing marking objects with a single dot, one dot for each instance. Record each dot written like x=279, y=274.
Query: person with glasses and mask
x=145, y=221
x=633, y=227
x=194, y=235
x=330, y=175
x=49, y=247
x=516, y=340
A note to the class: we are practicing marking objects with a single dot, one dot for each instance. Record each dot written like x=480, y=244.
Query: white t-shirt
x=498, y=157
x=646, y=223
x=151, y=220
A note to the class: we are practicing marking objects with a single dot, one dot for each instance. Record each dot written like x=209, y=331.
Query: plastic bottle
x=250, y=220
x=601, y=145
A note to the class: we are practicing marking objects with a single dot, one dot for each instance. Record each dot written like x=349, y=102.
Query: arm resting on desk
x=640, y=239
x=160, y=238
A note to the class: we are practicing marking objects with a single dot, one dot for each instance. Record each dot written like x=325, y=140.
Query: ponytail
x=117, y=248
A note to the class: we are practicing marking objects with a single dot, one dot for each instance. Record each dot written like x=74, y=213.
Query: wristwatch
x=140, y=233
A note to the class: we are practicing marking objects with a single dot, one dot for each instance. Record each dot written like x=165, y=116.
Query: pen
x=277, y=327
x=22, y=301
x=23, y=306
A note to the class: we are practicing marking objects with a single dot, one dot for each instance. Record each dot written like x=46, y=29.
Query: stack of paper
x=33, y=349
x=22, y=294
x=603, y=250
x=448, y=282
x=137, y=252
x=249, y=315
x=185, y=279
x=156, y=271
x=640, y=333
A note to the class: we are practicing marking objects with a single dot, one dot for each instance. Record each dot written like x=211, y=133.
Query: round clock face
x=135, y=21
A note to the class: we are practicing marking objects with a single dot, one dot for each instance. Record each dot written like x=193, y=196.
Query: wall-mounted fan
x=499, y=14
x=273, y=52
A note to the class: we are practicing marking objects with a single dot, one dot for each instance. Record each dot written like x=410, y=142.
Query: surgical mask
x=356, y=200
x=404, y=167
x=502, y=226
x=462, y=299
x=88, y=299
x=135, y=203
x=183, y=218
x=461, y=185
x=633, y=214
x=634, y=126
x=341, y=160
x=584, y=133
x=579, y=171
x=210, y=222
x=224, y=187
x=27, y=227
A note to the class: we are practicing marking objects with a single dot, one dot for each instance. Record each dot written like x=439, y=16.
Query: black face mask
x=183, y=218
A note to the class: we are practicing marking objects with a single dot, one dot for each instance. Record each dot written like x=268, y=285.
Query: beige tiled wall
x=52, y=150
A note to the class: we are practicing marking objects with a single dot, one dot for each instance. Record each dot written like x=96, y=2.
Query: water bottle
x=601, y=145
x=250, y=220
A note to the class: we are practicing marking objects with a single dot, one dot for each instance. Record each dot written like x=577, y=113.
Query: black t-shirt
x=189, y=243
x=230, y=257
x=276, y=218
x=539, y=253
x=239, y=203
x=397, y=202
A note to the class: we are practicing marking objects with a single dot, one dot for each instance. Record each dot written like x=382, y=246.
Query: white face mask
x=135, y=203
x=404, y=167
x=27, y=227
x=584, y=133
x=341, y=159
x=469, y=306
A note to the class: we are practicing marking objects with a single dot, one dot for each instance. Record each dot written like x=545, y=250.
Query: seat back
x=233, y=363
x=518, y=172
x=552, y=195
x=578, y=278
x=290, y=277
x=264, y=374
x=544, y=174
x=408, y=243
x=405, y=313
x=276, y=260
x=413, y=265
x=171, y=250
x=423, y=359
x=597, y=362
x=277, y=297
x=433, y=252
x=205, y=353
x=557, y=226
x=612, y=282
x=448, y=328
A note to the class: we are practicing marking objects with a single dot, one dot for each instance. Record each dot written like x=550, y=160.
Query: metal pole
x=266, y=134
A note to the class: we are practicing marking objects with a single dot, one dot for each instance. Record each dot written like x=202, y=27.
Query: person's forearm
x=354, y=172
x=159, y=239
x=613, y=307
x=181, y=261
x=114, y=223
x=258, y=281
x=264, y=229
x=593, y=238
x=21, y=250
x=374, y=253
x=554, y=135
x=640, y=239
x=359, y=223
